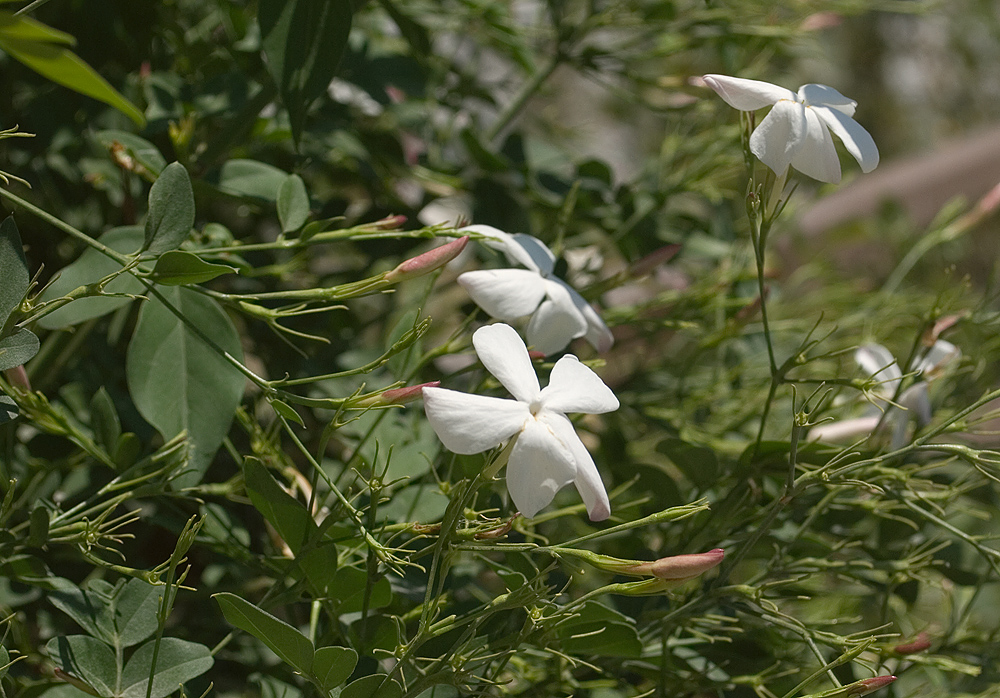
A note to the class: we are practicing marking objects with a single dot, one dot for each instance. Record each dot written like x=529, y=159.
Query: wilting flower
x=558, y=313
x=880, y=364
x=548, y=455
x=797, y=130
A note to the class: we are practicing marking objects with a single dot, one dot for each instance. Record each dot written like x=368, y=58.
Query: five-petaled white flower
x=879, y=363
x=548, y=455
x=797, y=130
x=558, y=313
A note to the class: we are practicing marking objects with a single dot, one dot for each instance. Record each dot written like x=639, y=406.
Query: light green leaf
x=332, y=666
x=177, y=381
x=13, y=269
x=90, y=609
x=176, y=267
x=304, y=41
x=91, y=267
x=177, y=661
x=87, y=658
x=288, y=515
x=104, y=420
x=135, y=605
x=60, y=65
x=17, y=348
x=20, y=27
x=289, y=644
x=250, y=178
x=293, y=203
x=138, y=148
x=171, y=210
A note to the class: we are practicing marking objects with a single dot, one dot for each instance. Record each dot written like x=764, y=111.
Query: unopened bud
x=396, y=396
x=920, y=643
x=866, y=686
x=428, y=261
x=536, y=355
x=390, y=222
x=18, y=376
x=682, y=567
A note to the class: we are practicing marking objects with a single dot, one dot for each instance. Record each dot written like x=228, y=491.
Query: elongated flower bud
x=428, y=261
x=866, y=686
x=920, y=643
x=687, y=566
x=396, y=396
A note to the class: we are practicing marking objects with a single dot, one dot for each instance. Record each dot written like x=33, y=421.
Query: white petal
x=857, y=140
x=900, y=428
x=747, y=95
x=506, y=294
x=844, y=429
x=816, y=155
x=775, y=140
x=937, y=357
x=597, y=333
x=574, y=387
x=879, y=363
x=822, y=96
x=472, y=423
x=540, y=255
x=504, y=242
x=503, y=354
x=587, y=480
x=917, y=403
x=539, y=466
x=557, y=321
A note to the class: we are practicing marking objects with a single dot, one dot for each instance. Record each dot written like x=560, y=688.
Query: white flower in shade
x=879, y=363
x=797, y=130
x=548, y=455
x=558, y=313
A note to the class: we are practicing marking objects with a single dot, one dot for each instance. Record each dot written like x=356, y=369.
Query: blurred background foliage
x=581, y=122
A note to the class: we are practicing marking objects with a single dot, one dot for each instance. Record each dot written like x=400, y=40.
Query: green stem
x=526, y=92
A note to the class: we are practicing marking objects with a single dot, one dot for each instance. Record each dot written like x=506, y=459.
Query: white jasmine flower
x=548, y=455
x=880, y=364
x=558, y=313
x=797, y=130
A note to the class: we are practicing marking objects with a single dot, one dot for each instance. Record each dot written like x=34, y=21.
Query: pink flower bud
x=395, y=396
x=389, y=222
x=866, y=686
x=536, y=355
x=920, y=643
x=678, y=567
x=18, y=376
x=428, y=261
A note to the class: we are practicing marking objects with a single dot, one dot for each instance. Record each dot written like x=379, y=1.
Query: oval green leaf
x=288, y=515
x=17, y=348
x=289, y=644
x=332, y=666
x=374, y=686
x=177, y=661
x=88, y=659
x=293, y=203
x=171, y=210
x=176, y=268
x=13, y=269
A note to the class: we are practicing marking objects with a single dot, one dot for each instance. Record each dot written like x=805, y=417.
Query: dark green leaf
x=8, y=409
x=285, y=641
x=138, y=148
x=126, y=450
x=319, y=565
x=91, y=267
x=13, y=269
x=4, y=661
x=135, y=607
x=698, y=463
x=177, y=661
x=348, y=587
x=303, y=40
x=104, y=420
x=38, y=527
x=176, y=268
x=288, y=515
x=293, y=203
x=374, y=686
x=177, y=381
x=60, y=65
x=88, y=659
x=250, y=178
x=171, y=210
x=332, y=666
x=287, y=411
x=88, y=608
x=16, y=349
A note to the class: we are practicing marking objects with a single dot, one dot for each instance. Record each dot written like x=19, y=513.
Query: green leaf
x=171, y=210
x=374, y=686
x=285, y=641
x=16, y=349
x=8, y=409
x=304, y=41
x=104, y=420
x=177, y=381
x=91, y=267
x=348, y=587
x=138, y=148
x=319, y=565
x=332, y=666
x=286, y=411
x=599, y=630
x=21, y=27
x=177, y=661
x=175, y=268
x=288, y=515
x=13, y=269
x=4, y=661
x=38, y=527
x=135, y=605
x=89, y=609
x=88, y=659
x=250, y=178
x=54, y=61
x=698, y=463
x=293, y=203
